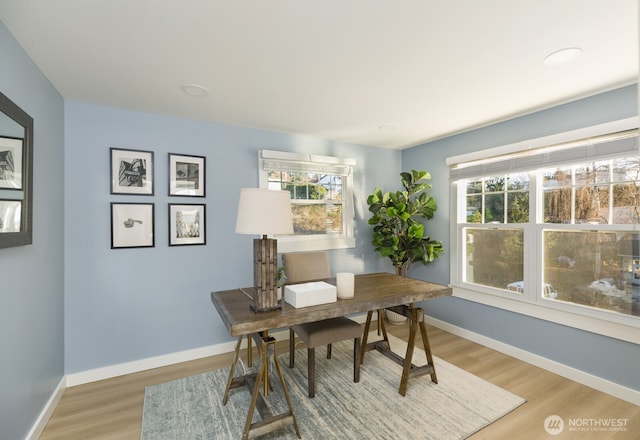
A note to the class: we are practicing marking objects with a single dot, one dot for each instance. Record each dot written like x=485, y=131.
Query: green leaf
x=419, y=175
x=406, y=180
x=420, y=187
x=416, y=230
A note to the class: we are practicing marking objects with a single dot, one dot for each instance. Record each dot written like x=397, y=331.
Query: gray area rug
x=458, y=406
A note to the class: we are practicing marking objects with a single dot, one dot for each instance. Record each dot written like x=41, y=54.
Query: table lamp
x=264, y=212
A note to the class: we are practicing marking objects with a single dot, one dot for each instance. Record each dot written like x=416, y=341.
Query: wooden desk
x=372, y=292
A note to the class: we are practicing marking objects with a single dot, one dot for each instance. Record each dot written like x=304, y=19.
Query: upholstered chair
x=312, y=266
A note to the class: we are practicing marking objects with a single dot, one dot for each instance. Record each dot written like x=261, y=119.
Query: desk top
x=371, y=292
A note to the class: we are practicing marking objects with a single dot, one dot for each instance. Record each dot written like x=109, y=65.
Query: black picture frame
x=132, y=225
x=187, y=175
x=131, y=171
x=187, y=224
x=16, y=187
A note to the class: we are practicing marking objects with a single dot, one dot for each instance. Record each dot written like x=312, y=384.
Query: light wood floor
x=112, y=408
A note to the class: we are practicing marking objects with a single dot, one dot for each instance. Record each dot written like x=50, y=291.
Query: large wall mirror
x=16, y=175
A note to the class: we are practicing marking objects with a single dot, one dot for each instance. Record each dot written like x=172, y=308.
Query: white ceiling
x=388, y=73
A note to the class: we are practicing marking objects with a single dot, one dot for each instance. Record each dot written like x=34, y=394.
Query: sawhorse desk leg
x=249, y=351
x=255, y=382
x=381, y=329
x=408, y=369
x=416, y=320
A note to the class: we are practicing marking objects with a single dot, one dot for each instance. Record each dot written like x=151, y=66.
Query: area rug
x=458, y=406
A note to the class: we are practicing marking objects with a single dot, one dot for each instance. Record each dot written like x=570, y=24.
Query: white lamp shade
x=264, y=212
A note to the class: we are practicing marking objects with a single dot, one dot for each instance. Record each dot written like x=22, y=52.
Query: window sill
x=620, y=327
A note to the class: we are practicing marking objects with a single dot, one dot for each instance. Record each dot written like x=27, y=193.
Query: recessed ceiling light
x=562, y=56
x=194, y=90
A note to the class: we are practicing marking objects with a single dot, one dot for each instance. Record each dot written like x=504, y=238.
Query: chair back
x=300, y=267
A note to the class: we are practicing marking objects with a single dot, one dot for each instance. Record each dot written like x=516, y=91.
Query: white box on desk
x=310, y=294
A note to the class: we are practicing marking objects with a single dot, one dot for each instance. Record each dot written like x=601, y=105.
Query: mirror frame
x=25, y=236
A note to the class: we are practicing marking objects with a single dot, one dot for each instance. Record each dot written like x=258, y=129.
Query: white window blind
x=589, y=149
x=306, y=163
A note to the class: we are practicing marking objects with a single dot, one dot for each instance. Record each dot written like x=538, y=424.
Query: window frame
x=530, y=303
x=297, y=162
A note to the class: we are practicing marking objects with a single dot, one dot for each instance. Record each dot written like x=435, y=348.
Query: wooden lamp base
x=265, y=275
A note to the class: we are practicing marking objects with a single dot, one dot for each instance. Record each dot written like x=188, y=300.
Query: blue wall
x=605, y=357
x=31, y=296
x=128, y=304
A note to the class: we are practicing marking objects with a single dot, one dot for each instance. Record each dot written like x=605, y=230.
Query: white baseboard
x=612, y=388
x=168, y=359
x=110, y=371
x=47, y=411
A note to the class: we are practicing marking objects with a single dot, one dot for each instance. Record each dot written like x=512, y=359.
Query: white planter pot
x=395, y=318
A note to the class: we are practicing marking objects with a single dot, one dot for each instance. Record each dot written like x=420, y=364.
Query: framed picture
x=16, y=175
x=10, y=215
x=131, y=172
x=10, y=163
x=132, y=225
x=187, y=225
x=186, y=175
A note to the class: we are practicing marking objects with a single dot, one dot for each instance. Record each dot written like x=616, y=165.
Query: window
x=555, y=227
x=321, y=190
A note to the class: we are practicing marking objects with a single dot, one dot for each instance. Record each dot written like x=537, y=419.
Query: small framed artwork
x=186, y=175
x=10, y=163
x=10, y=216
x=187, y=225
x=131, y=171
x=132, y=225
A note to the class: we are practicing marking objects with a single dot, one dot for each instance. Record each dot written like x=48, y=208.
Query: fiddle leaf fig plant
x=397, y=219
